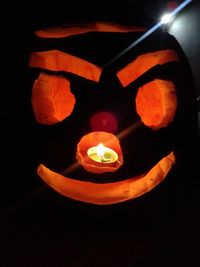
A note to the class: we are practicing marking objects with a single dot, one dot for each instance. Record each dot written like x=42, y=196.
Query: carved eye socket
x=52, y=99
x=156, y=103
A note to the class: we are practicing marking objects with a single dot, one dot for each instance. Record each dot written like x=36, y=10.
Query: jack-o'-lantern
x=108, y=133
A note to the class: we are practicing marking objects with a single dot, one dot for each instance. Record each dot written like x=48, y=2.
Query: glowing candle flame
x=102, y=154
x=100, y=150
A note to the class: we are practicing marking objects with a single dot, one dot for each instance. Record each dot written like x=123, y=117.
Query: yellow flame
x=100, y=150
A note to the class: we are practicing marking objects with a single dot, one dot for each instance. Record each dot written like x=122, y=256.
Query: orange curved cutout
x=144, y=63
x=156, y=103
x=108, y=193
x=56, y=60
x=94, y=139
x=52, y=99
x=61, y=32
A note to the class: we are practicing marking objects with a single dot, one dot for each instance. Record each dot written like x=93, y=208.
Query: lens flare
x=104, y=121
x=146, y=34
x=166, y=18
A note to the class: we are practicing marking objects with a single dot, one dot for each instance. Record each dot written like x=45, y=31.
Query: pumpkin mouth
x=108, y=193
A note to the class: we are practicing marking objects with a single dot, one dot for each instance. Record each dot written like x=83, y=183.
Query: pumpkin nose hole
x=99, y=152
x=104, y=121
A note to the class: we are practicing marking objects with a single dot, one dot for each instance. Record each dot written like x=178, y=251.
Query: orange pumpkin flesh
x=61, y=32
x=56, y=60
x=108, y=193
x=156, y=103
x=52, y=100
x=144, y=63
x=94, y=139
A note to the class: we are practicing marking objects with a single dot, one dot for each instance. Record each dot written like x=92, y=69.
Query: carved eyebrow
x=55, y=60
x=62, y=32
x=143, y=63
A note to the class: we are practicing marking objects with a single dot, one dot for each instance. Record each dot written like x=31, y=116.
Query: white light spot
x=166, y=18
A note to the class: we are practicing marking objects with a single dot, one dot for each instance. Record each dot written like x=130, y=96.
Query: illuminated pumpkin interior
x=61, y=32
x=55, y=60
x=143, y=63
x=54, y=100
x=156, y=103
x=107, y=193
x=94, y=139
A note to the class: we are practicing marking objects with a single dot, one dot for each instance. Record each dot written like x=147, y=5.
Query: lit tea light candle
x=102, y=154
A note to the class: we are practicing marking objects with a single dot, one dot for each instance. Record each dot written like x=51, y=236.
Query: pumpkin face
x=136, y=108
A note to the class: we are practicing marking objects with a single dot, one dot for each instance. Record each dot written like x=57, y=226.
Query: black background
x=42, y=228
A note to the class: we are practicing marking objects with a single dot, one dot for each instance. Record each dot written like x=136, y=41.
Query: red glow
x=104, y=121
x=171, y=5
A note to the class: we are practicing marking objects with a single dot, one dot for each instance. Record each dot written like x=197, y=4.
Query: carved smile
x=107, y=193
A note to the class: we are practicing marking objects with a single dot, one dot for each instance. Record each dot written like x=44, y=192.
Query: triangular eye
x=156, y=103
x=52, y=99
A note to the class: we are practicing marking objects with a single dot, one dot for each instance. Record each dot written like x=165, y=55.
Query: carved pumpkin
x=135, y=106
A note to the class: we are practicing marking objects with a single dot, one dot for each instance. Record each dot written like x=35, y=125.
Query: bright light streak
x=146, y=34
x=180, y=7
x=124, y=133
